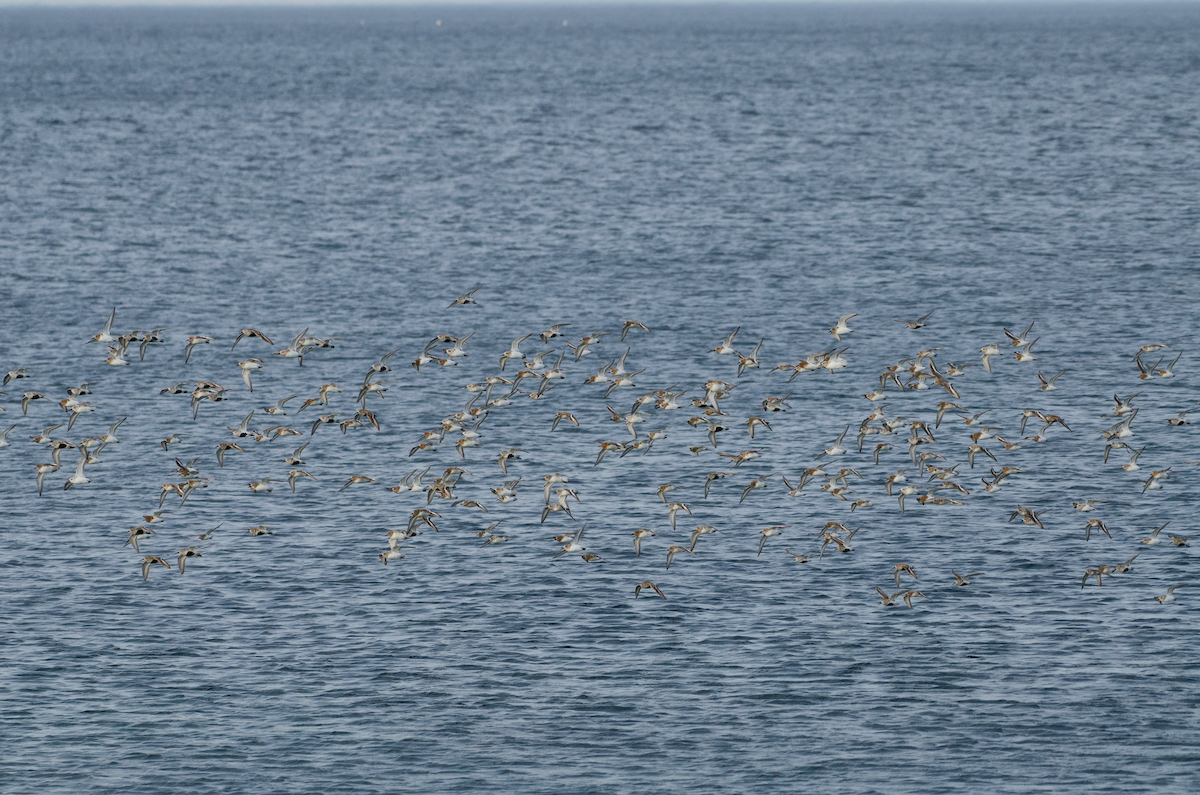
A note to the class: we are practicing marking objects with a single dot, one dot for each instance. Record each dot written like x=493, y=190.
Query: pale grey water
x=693, y=168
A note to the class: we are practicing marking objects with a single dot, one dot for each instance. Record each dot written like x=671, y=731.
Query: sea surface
x=696, y=169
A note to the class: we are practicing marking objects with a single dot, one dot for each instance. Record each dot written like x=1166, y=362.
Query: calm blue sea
x=695, y=169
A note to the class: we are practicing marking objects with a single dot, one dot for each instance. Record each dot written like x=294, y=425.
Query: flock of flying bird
x=927, y=478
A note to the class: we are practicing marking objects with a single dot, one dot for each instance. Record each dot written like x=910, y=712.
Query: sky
x=547, y=3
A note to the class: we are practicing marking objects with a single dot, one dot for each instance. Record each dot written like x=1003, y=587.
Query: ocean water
x=696, y=169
